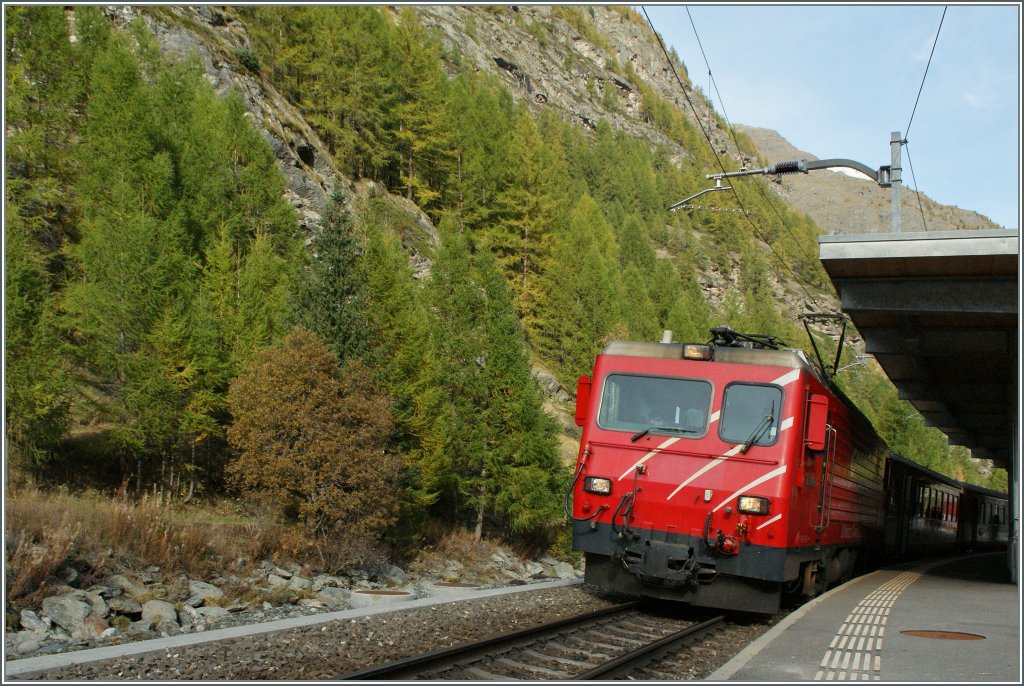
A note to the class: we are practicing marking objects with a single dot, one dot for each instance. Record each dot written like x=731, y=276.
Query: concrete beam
x=962, y=296
x=966, y=342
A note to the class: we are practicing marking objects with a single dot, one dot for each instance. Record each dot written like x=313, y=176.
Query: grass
x=99, y=535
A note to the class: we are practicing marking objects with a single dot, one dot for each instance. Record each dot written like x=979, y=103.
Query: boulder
x=334, y=597
x=564, y=570
x=277, y=580
x=214, y=612
x=201, y=592
x=126, y=585
x=321, y=581
x=298, y=583
x=123, y=605
x=67, y=612
x=95, y=600
x=156, y=611
x=32, y=622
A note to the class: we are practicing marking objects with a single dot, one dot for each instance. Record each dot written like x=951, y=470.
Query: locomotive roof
x=789, y=358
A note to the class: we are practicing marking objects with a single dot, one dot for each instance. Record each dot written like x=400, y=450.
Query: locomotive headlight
x=752, y=504
x=695, y=351
x=597, y=484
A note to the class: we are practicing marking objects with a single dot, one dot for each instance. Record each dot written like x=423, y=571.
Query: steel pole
x=895, y=148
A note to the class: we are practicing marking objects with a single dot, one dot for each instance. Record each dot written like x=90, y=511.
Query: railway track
x=606, y=644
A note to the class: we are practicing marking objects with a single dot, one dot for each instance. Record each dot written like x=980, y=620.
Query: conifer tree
x=531, y=211
x=583, y=291
x=480, y=112
x=422, y=136
x=330, y=295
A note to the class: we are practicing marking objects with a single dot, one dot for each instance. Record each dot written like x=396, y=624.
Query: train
x=734, y=474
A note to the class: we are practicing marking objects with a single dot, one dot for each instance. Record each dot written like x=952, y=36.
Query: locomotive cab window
x=655, y=404
x=750, y=414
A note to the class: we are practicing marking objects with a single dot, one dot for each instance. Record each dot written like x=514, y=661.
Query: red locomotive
x=725, y=474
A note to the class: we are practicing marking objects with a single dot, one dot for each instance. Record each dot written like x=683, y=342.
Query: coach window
x=751, y=413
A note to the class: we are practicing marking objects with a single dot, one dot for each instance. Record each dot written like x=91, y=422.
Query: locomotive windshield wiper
x=756, y=434
x=664, y=429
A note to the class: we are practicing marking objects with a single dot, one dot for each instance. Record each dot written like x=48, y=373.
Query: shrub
x=313, y=438
x=248, y=59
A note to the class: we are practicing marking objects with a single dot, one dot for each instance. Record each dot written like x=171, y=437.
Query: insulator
x=791, y=167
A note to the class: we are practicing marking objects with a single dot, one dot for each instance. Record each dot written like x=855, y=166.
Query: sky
x=836, y=81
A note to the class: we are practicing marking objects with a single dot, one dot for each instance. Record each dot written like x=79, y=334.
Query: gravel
x=328, y=650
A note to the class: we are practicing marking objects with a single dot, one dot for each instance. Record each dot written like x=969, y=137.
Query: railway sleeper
x=525, y=667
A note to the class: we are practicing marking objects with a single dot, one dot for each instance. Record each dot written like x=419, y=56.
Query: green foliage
x=583, y=292
x=248, y=59
x=311, y=438
x=490, y=448
x=330, y=297
x=150, y=253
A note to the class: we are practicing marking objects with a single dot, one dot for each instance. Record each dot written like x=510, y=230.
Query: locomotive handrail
x=672, y=450
x=828, y=477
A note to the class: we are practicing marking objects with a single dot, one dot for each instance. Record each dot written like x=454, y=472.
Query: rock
x=111, y=632
x=168, y=627
x=212, y=612
x=299, y=583
x=310, y=602
x=67, y=612
x=284, y=573
x=31, y=621
x=95, y=600
x=334, y=597
x=124, y=605
x=564, y=570
x=94, y=626
x=275, y=580
x=202, y=592
x=322, y=581
x=156, y=611
x=126, y=585
x=29, y=645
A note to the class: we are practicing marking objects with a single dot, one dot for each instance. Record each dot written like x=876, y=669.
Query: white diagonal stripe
x=756, y=482
x=710, y=465
x=787, y=378
x=770, y=521
x=649, y=456
x=786, y=424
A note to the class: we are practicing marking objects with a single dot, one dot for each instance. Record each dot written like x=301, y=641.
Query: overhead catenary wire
x=924, y=222
x=721, y=165
x=906, y=131
x=735, y=140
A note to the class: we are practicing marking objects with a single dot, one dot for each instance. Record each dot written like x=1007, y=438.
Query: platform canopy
x=939, y=311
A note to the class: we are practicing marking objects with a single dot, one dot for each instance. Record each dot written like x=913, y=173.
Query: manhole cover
x=943, y=635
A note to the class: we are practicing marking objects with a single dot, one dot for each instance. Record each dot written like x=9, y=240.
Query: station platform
x=951, y=620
